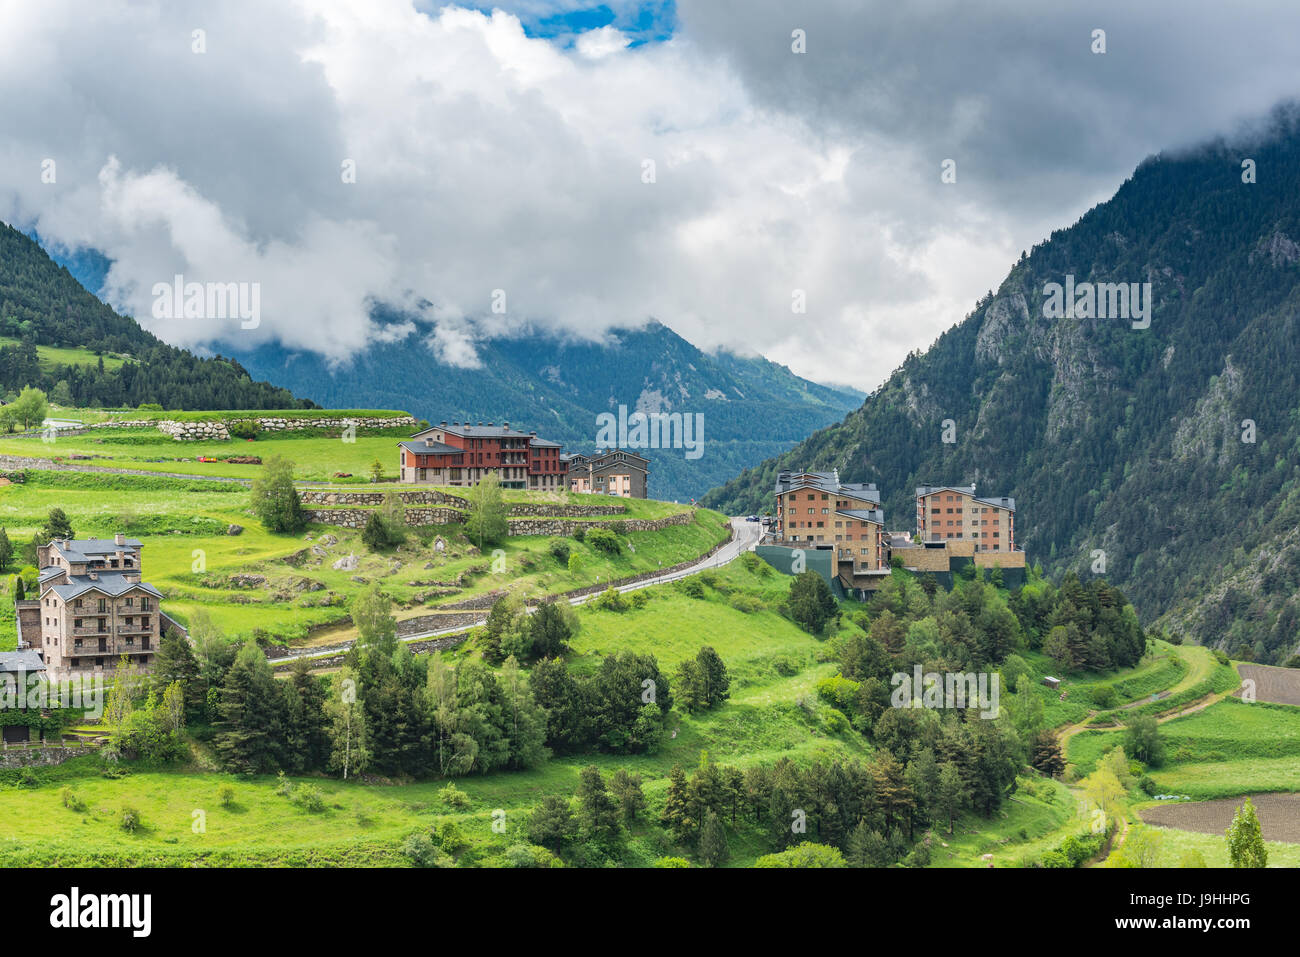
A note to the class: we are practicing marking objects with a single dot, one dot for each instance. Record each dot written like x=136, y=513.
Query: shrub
x=560, y=549
x=226, y=795
x=603, y=540
x=669, y=862
x=749, y=604
x=453, y=796
x=1104, y=696
x=618, y=528
x=244, y=428
x=693, y=587
x=640, y=598
x=575, y=563
x=579, y=533
x=450, y=838
x=423, y=852
x=309, y=798
x=611, y=599
x=834, y=722
x=129, y=820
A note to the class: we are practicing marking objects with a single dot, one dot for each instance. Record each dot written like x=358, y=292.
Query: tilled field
x=1279, y=816
x=1278, y=685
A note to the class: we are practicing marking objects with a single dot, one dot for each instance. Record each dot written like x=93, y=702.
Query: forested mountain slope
x=41, y=304
x=1173, y=449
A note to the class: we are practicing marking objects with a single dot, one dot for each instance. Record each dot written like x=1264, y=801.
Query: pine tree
x=713, y=850
x=56, y=525
x=6, y=549
x=677, y=816
x=599, y=814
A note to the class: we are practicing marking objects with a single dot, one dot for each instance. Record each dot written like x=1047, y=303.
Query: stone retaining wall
x=331, y=497
x=563, y=528
x=41, y=757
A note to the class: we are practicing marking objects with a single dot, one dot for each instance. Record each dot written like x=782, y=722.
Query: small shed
x=1051, y=682
x=14, y=667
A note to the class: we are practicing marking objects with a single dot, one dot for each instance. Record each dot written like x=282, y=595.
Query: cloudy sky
x=507, y=148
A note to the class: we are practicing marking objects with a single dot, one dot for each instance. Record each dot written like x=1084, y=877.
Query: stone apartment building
x=954, y=512
x=616, y=472
x=460, y=454
x=93, y=607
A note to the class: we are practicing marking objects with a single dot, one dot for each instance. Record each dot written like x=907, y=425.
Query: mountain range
x=1165, y=457
x=751, y=407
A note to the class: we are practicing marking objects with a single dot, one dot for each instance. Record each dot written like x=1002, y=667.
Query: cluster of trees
x=1081, y=627
x=392, y=712
x=512, y=631
x=590, y=829
x=24, y=410
x=871, y=811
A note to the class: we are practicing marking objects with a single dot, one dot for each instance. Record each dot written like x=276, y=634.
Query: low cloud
x=707, y=181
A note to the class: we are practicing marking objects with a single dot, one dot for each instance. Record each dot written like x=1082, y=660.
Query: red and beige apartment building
x=954, y=512
x=816, y=509
x=460, y=454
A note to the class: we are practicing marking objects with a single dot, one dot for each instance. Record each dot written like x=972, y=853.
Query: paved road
x=746, y=537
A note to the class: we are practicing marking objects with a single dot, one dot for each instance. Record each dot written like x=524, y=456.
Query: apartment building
x=616, y=472
x=93, y=607
x=947, y=512
x=816, y=509
x=460, y=454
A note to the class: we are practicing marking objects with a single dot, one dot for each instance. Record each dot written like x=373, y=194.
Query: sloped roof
x=431, y=448
x=112, y=584
x=84, y=549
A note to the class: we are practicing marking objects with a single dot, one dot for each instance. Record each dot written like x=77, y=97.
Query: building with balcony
x=93, y=608
x=461, y=455
x=817, y=510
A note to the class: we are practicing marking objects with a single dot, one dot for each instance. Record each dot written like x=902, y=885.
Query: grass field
x=68, y=356
x=189, y=557
x=771, y=714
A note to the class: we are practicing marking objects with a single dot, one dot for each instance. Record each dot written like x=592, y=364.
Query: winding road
x=745, y=536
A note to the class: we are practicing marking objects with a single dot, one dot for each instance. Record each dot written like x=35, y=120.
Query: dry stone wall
x=357, y=517
x=218, y=431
